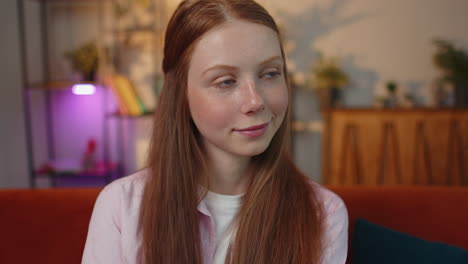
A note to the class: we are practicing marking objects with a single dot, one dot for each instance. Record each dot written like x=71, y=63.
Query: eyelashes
x=272, y=74
x=231, y=82
x=226, y=83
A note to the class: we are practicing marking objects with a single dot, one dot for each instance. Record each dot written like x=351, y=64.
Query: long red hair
x=280, y=220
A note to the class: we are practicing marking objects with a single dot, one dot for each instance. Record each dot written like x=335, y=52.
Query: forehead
x=236, y=43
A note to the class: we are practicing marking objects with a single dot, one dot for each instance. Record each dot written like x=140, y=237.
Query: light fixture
x=83, y=89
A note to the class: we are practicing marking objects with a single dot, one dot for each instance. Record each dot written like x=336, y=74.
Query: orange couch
x=50, y=226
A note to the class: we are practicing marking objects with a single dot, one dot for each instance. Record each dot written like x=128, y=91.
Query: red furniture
x=50, y=226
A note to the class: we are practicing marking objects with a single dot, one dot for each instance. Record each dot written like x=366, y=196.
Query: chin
x=251, y=151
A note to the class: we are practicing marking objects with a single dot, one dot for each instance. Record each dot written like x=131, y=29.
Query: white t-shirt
x=223, y=209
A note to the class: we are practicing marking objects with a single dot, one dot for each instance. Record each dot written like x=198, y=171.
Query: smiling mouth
x=253, y=131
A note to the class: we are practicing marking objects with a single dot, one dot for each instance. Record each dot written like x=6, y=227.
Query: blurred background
x=380, y=89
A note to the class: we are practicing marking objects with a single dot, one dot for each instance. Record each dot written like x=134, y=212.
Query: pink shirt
x=112, y=234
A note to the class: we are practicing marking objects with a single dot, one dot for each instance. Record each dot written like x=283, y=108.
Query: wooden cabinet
x=407, y=147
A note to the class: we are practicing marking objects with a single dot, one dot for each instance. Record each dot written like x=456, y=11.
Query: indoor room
x=350, y=117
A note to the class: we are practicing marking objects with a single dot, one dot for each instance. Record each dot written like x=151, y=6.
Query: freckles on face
x=236, y=87
x=210, y=112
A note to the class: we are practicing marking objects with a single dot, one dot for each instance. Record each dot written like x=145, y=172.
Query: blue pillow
x=374, y=244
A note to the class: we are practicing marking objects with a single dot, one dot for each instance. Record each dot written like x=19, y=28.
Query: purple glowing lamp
x=83, y=89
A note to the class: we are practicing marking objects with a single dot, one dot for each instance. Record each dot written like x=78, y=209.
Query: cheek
x=278, y=101
x=208, y=112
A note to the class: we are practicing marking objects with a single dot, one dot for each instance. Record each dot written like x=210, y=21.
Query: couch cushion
x=376, y=244
x=44, y=226
x=429, y=212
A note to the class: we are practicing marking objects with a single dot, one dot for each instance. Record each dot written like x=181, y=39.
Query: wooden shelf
x=119, y=115
x=140, y=29
x=307, y=126
x=73, y=167
x=68, y=0
x=392, y=110
x=49, y=12
x=55, y=85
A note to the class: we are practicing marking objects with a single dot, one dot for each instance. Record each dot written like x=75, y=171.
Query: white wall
x=13, y=155
x=390, y=38
x=377, y=41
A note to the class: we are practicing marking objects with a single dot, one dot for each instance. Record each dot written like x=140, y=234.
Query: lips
x=253, y=131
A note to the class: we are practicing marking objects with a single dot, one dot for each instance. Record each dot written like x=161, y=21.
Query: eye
x=226, y=83
x=271, y=75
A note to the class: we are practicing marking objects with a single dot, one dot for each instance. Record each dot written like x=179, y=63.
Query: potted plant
x=84, y=60
x=392, y=100
x=327, y=79
x=453, y=62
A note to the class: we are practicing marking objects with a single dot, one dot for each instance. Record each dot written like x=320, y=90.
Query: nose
x=252, y=100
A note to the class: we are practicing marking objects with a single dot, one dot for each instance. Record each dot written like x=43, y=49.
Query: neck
x=227, y=173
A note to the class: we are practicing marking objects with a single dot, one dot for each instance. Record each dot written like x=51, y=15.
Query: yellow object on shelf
x=128, y=101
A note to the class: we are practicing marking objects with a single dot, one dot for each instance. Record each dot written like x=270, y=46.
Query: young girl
x=220, y=186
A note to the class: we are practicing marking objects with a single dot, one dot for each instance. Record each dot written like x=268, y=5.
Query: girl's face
x=237, y=92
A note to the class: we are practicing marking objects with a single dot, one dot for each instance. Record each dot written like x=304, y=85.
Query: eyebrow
x=271, y=60
x=227, y=67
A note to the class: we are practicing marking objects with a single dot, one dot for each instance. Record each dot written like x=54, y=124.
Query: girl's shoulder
x=125, y=191
x=113, y=228
x=133, y=183
x=331, y=202
x=336, y=224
